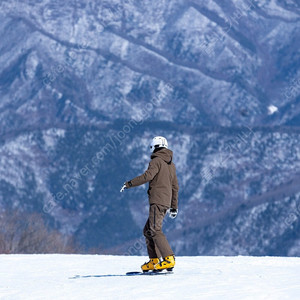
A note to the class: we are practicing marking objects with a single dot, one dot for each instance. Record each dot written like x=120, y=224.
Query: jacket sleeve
x=152, y=170
x=175, y=188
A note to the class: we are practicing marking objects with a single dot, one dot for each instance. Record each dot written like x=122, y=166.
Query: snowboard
x=149, y=273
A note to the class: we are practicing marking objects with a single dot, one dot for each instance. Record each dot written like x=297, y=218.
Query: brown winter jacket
x=161, y=175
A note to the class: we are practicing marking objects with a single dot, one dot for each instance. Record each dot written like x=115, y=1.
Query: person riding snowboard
x=163, y=198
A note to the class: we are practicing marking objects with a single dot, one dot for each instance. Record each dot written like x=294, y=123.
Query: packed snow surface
x=103, y=277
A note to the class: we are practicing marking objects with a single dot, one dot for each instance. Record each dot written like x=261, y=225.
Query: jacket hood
x=165, y=154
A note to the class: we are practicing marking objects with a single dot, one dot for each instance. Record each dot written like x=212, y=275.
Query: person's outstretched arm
x=152, y=170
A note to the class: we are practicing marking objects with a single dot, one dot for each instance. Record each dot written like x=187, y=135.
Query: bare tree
x=27, y=233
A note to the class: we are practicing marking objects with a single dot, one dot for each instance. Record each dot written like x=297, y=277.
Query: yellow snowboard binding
x=168, y=263
x=147, y=266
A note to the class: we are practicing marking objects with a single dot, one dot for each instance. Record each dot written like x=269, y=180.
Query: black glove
x=173, y=213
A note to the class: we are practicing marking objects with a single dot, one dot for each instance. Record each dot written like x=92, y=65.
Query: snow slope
x=37, y=277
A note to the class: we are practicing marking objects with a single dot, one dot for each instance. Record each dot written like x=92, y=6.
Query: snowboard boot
x=150, y=264
x=168, y=263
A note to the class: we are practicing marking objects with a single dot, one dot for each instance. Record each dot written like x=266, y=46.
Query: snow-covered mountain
x=36, y=277
x=84, y=86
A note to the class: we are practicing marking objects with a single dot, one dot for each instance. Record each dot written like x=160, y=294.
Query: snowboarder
x=163, y=198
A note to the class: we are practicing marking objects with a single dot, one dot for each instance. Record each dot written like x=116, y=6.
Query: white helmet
x=158, y=142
